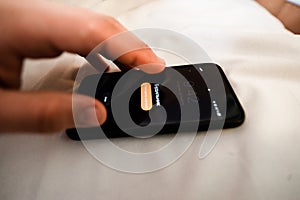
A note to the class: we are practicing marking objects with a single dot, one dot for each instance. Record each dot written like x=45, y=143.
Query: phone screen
x=160, y=99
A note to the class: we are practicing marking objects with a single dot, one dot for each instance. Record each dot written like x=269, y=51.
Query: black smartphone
x=160, y=100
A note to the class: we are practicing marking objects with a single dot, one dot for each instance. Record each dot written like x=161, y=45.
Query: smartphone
x=161, y=100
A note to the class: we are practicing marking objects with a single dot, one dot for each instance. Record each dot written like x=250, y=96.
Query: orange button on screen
x=146, y=96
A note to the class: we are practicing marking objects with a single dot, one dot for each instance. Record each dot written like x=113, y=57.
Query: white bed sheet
x=259, y=160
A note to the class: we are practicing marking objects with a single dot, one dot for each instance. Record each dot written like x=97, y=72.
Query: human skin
x=287, y=13
x=39, y=29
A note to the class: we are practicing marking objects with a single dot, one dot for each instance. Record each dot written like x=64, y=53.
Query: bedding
x=259, y=160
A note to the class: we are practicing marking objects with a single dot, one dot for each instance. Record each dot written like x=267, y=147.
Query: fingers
x=46, y=29
x=48, y=111
x=128, y=51
x=61, y=28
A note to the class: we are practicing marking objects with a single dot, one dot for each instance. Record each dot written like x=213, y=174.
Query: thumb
x=47, y=111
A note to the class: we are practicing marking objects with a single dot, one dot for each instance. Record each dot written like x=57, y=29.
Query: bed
x=258, y=160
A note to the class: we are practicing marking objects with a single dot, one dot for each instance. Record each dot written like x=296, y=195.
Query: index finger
x=127, y=51
x=76, y=30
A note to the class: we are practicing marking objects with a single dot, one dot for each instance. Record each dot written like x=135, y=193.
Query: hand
x=286, y=12
x=38, y=29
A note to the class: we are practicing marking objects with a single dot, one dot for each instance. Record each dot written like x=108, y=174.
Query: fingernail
x=162, y=60
x=152, y=68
